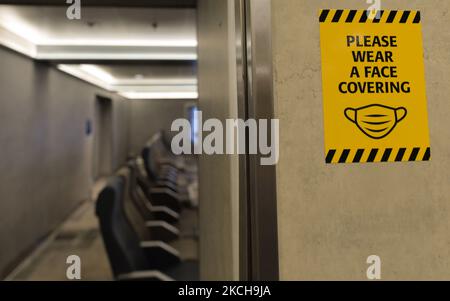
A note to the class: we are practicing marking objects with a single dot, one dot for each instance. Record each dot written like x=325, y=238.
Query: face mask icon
x=376, y=121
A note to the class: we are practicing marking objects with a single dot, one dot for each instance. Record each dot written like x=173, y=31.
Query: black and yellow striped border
x=373, y=155
x=361, y=16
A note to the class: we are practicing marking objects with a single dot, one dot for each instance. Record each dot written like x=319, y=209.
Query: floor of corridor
x=80, y=235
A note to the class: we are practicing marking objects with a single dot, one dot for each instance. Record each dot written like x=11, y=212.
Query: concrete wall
x=218, y=174
x=331, y=218
x=46, y=156
x=149, y=116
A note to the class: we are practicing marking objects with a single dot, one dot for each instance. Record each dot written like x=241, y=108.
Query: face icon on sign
x=376, y=121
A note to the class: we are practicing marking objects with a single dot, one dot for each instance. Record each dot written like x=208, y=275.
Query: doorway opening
x=102, y=163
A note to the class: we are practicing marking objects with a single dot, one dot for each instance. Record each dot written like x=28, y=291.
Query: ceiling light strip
x=17, y=43
x=160, y=95
x=79, y=73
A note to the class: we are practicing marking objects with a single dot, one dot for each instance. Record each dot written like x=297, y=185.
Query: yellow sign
x=374, y=100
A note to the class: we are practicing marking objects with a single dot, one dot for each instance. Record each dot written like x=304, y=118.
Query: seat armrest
x=162, y=230
x=165, y=214
x=153, y=211
x=174, y=165
x=167, y=184
x=166, y=197
x=168, y=171
x=160, y=254
x=168, y=178
x=151, y=275
x=163, y=190
x=169, y=168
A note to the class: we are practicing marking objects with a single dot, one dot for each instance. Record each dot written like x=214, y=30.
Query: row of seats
x=142, y=213
x=178, y=173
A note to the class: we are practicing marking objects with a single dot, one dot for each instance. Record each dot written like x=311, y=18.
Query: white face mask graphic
x=376, y=121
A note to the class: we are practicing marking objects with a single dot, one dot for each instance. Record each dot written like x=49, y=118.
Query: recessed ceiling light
x=91, y=23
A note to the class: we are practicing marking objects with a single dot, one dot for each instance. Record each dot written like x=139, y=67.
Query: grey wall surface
x=218, y=182
x=148, y=116
x=46, y=156
x=331, y=218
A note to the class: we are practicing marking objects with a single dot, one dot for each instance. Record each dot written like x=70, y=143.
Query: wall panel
x=332, y=217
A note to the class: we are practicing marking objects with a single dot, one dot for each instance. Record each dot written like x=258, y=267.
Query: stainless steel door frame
x=258, y=205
